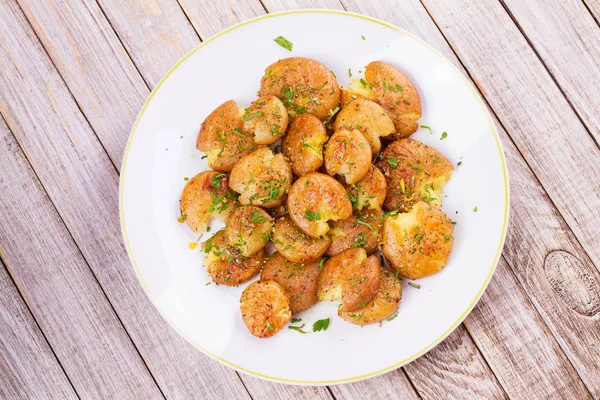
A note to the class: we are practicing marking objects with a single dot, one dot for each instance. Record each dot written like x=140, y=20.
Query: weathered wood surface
x=534, y=334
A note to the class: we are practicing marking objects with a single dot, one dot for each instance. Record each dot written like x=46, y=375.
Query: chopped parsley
x=475, y=209
x=361, y=221
x=249, y=117
x=332, y=114
x=322, y=262
x=363, y=82
x=360, y=240
x=444, y=135
x=257, y=218
x=297, y=328
x=446, y=238
x=271, y=327
x=392, y=317
x=393, y=161
x=418, y=167
x=363, y=38
x=283, y=42
x=428, y=128
x=312, y=215
x=390, y=214
x=294, y=320
x=238, y=132
x=414, y=285
x=429, y=199
x=321, y=325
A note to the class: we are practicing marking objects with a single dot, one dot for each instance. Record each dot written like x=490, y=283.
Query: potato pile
x=329, y=178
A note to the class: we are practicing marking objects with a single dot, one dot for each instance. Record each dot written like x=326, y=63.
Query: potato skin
x=402, y=102
x=315, y=199
x=356, y=232
x=249, y=229
x=414, y=172
x=370, y=191
x=348, y=154
x=221, y=137
x=361, y=286
x=369, y=118
x=418, y=243
x=299, y=281
x=384, y=304
x=265, y=308
x=304, y=85
x=206, y=195
x=336, y=270
x=266, y=119
x=303, y=144
x=295, y=245
x=261, y=178
x=226, y=265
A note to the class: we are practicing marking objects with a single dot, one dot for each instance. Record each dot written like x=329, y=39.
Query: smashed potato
x=303, y=85
x=261, y=178
x=299, y=281
x=222, y=139
x=414, y=172
x=204, y=196
x=295, y=245
x=348, y=154
x=418, y=243
x=362, y=284
x=226, y=265
x=303, y=144
x=314, y=200
x=336, y=270
x=384, y=304
x=265, y=308
x=369, y=118
x=393, y=90
x=249, y=229
x=360, y=230
x=266, y=119
x=370, y=191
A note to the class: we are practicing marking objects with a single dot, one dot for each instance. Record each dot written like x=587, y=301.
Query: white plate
x=161, y=152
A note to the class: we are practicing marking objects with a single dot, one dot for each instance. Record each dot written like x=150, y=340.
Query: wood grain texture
x=83, y=184
x=392, y=386
x=532, y=215
x=546, y=130
x=567, y=39
x=266, y=390
x=28, y=367
x=529, y=355
x=64, y=296
x=594, y=8
x=281, y=5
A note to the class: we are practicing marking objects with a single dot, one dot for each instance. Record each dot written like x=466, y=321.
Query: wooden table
x=74, y=322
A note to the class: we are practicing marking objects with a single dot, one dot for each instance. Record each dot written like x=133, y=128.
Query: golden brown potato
x=418, y=243
x=226, y=265
x=304, y=85
x=369, y=118
x=249, y=229
x=361, y=285
x=265, y=308
x=360, y=230
x=299, y=281
x=370, y=191
x=348, y=154
x=303, y=144
x=206, y=195
x=295, y=245
x=414, y=172
x=266, y=119
x=315, y=199
x=384, y=304
x=261, y=178
x=336, y=270
x=393, y=90
x=222, y=139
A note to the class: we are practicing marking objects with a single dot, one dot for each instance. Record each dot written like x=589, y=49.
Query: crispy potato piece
x=261, y=178
x=265, y=308
x=360, y=230
x=249, y=229
x=299, y=281
x=266, y=119
x=414, y=172
x=295, y=245
x=304, y=85
x=393, y=90
x=361, y=286
x=204, y=196
x=384, y=304
x=370, y=191
x=418, y=243
x=348, y=154
x=303, y=144
x=315, y=199
x=226, y=265
x=222, y=139
x=369, y=118
x=336, y=270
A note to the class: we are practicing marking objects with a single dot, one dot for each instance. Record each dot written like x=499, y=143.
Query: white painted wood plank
x=28, y=368
x=83, y=185
x=280, y=5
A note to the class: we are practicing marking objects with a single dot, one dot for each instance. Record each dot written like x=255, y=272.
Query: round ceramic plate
x=161, y=152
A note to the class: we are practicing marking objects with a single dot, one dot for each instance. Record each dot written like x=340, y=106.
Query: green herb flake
x=204, y=156
x=398, y=88
x=475, y=209
x=393, y=161
x=350, y=72
x=418, y=167
x=459, y=163
x=361, y=145
x=363, y=82
x=283, y=42
x=446, y=238
x=207, y=246
x=249, y=117
x=322, y=262
x=321, y=325
x=414, y=285
x=444, y=135
x=257, y=218
x=389, y=214
x=271, y=327
x=207, y=283
x=186, y=179
x=238, y=132
x=392, y=317
x=429, y=199
x=298, y=329
x=294, y=320
x=363, y=38
x=331, y=115
x=396, y=276
x=312, y=215
x=428, y=128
